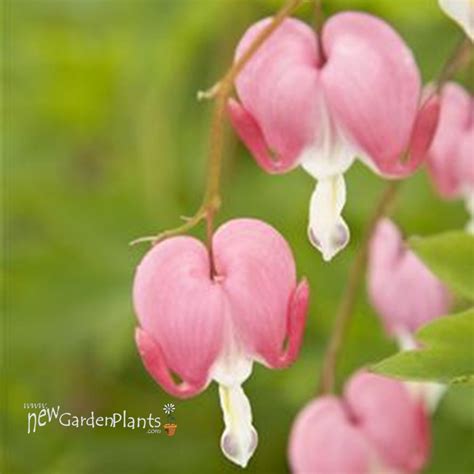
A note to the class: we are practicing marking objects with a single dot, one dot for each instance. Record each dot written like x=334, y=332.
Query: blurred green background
x=105, y=142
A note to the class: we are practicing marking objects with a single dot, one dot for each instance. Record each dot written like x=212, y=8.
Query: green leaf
x=446, y=354
x=451, y=257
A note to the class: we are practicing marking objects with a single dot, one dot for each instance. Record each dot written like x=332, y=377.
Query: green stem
x=221, y=92
x=459, y=58
x=346, y=307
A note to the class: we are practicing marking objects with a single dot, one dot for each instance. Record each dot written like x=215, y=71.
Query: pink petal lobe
x=297, y=312
x=249, y=132
x=451, y=156
x=154, y=362
x=372, y=85
x=391, y=419
x=423, y=133
x=396, y=280
x=324, y=441
x=258, y=276
x=279, y=89
x=180, y=308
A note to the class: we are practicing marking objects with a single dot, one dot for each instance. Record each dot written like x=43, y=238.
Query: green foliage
x=105, y=142
x=449, y=255
x=446, y=354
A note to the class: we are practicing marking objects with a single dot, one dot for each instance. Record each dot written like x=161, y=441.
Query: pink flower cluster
x=318, y=102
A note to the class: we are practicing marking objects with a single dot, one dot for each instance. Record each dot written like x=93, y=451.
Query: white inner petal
x=239, y=439
x=326, y=160
x=233, y=366
x=331, y=154
x=327, y=230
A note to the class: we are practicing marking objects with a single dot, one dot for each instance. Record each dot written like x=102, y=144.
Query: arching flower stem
x=460, y=58
x=221, y=92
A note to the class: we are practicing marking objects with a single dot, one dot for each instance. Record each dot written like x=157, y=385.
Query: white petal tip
x=240, y=439
x=239, y=449
x=335, y=240
x=327, y=230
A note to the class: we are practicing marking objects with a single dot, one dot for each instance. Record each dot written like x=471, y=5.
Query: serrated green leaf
x=446, y=355
x=451, y=257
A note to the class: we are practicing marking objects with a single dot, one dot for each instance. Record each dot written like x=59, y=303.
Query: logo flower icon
x=170, y=426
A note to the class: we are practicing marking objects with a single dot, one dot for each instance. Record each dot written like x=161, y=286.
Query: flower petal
x=240, y=439
x=331, y=154
x=297, y=312
x=287, y=115
x=388, y=416
x=154, y=362
x=171, y=276
x=397, y=278
x=249, y=132
x=372, y=85
x=423, y=133
x=327, y=230
x=324, y=441
x=258, y=276
x=449, y=166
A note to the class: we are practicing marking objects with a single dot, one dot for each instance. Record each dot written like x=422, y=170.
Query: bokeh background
x=105, y=142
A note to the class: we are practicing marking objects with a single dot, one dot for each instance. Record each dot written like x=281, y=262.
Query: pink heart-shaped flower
x=375, y=427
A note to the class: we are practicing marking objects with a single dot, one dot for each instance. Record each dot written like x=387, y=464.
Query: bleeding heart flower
x=202, y=328
x=375, y=427
x=451, y=155
x=461, y=11
x=320, y=102
x=406, y=296
x=401, y=288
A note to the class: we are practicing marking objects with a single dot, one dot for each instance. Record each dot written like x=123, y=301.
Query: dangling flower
x=205, y=328
x=451, y=155
x=376, y=426
x=320, y=102
x=462, y=12
x=401, y=288
x=406, y=296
